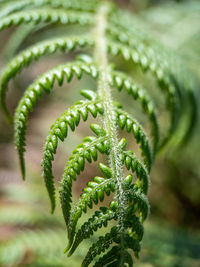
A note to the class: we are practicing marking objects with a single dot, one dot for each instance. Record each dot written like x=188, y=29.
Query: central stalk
x=109, y=119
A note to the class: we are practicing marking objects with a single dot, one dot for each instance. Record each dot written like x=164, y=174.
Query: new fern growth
x=112, y=34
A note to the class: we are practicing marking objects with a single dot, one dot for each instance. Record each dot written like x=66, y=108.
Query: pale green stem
x=109, y=119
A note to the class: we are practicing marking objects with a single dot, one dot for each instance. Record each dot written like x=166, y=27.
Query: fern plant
x=40, y=237
x=112, y=33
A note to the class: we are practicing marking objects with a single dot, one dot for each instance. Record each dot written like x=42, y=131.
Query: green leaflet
x=162, y=78
x=113, y=256
x=109, y=37
x=59, y=130
x=139, y=200
x=132, y=125
x=67, y=4
x=88, y=150
x=104, y=243
x=99, y=219
x=132, y=162
x=100, y=246
x=24, y=59
x=45, y=15
x=94, y=192
x=175, y=74
x=34, y=91
x=121, y=80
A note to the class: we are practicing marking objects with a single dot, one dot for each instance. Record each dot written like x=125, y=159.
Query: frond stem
x=109, y=119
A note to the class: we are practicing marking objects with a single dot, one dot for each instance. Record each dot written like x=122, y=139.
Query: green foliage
x=34, y=244
x=109, y=38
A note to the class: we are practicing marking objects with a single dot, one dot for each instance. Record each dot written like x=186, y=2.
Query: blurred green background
x=29, y=235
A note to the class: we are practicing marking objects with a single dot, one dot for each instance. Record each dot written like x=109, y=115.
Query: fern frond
x=120, y=80
x=155, y=54
x=94, y=192
x=99, y=219
x=108, y=37
x=193, y=104
x=34, y=91
x=111, y=258
x=116, y=253
x=126, y=120
x=132, y=162
x=179, y=78
x=59, y=130
x=46, y=15
x=100, y=246
x=163, y=79
x=24, y=59
x=139, y=201
x=135, y=226
x=68, y=4
x=86, y=151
